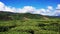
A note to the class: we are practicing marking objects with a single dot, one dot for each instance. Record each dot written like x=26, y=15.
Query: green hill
x=7, y=15
x=17, y=23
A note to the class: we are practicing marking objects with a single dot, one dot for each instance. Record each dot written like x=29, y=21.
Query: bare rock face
x=45, y=18
x=25, y=18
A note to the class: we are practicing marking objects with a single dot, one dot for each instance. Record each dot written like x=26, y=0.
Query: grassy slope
x=28, y=24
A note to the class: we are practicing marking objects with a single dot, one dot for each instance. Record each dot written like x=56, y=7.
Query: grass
x=30, y=24
x=27, y=26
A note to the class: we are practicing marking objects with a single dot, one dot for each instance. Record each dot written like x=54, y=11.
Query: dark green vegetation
x=14, y=23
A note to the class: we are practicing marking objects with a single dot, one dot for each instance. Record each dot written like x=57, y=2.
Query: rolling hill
x=19, y=23
x=6, y=14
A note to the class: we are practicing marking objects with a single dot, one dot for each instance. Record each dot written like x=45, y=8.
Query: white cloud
x=57, y=11
x=1, y=6
x=9, y=9
x=58, y=6
x=25, y=9
x=29, y=9
x=50, y=7
x=39, y=11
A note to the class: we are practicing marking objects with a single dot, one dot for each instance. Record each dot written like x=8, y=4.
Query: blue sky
x=34, y=3
x=44, y=7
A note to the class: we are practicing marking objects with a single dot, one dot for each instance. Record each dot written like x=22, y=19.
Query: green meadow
x=28, y=24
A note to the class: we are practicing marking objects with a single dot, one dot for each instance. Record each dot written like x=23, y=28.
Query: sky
x=34, y=3
x=44, y=7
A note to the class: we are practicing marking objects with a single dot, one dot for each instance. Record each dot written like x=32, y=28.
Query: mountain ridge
x=11, y=15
